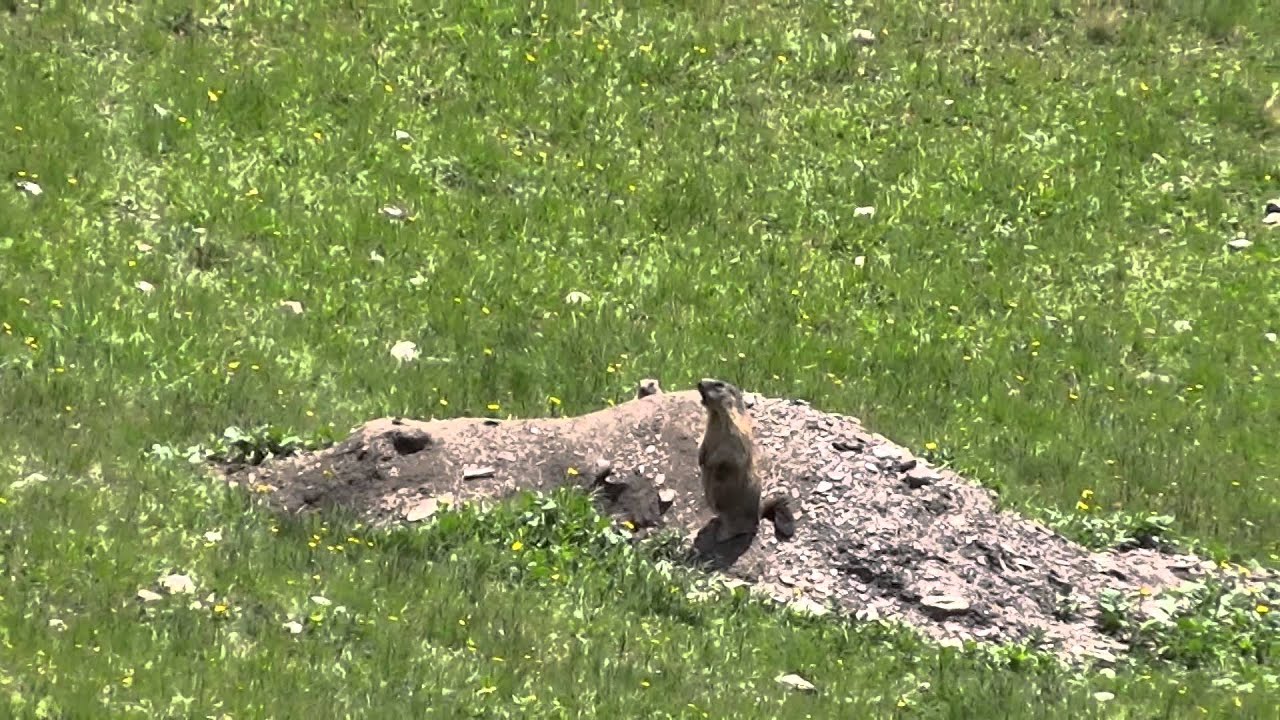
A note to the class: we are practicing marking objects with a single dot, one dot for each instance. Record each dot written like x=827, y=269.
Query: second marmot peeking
x=727, y=462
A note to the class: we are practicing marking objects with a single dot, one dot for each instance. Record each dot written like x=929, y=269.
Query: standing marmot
x=726, y=460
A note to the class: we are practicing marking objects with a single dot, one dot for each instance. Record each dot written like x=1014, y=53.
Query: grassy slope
x=1050, y=202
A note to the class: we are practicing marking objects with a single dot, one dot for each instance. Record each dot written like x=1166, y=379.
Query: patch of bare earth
x=879, y=534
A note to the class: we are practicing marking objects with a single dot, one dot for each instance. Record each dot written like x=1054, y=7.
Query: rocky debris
x=1271, y=214
x=880, y=534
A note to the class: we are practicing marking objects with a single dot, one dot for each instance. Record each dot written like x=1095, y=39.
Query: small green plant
x=1115, y=612
x=236, y=445
x=1094, y=528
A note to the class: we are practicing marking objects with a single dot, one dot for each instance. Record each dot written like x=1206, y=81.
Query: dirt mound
x=880, y=534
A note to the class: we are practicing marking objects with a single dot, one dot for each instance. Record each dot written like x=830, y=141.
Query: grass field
x=1043, y=297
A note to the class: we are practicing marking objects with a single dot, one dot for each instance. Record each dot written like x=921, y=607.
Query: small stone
x=1270, y=336
x=1104, y=696
x=145, y=287
x=944, y=605
x=472, y=472
x=1272, y=219
x=147, y=596
x=885, y=452
x=402, y=136
x=795, y=682
x=660, y=479
x=293, y=626
x=805, y=606
x=422, y=510
x=575, y=297
x=823, y=487
x=405, y=351
x=650, y=449
x=864, y=211
x=862, y=36
x=178, y=584
x=836, y=475
x=666, y=496
x=291, y=307
x=395, y=212
x=1106, y=657
x=1239, y=243
x=29, y=187
x=919, y=476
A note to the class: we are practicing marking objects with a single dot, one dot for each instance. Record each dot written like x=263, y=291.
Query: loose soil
x=879, y=533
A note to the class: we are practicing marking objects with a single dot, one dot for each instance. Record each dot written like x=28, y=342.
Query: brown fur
x=727, y=462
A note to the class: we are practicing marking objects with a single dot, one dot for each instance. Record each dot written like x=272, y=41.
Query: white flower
x=1181, y=326
x=405, y=351
x=321, y=600
x=213, y=536
x=1271, y=337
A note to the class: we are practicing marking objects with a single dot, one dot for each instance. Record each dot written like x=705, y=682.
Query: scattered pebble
x=30, y=187
x=178, y=584
x=795, y=682
x=1239, y=243
x=944, y=605
x=395, y=212
x=291, y=307
x=405, y=351
x=474, y=473
x=862, y=36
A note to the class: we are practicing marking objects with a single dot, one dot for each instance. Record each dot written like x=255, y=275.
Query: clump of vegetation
x=252, y=447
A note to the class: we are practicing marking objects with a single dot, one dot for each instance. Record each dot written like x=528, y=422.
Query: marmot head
x=718, y=395
x=647, y=387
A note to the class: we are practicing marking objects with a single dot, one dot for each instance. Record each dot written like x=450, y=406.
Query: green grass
x=1053, y=188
